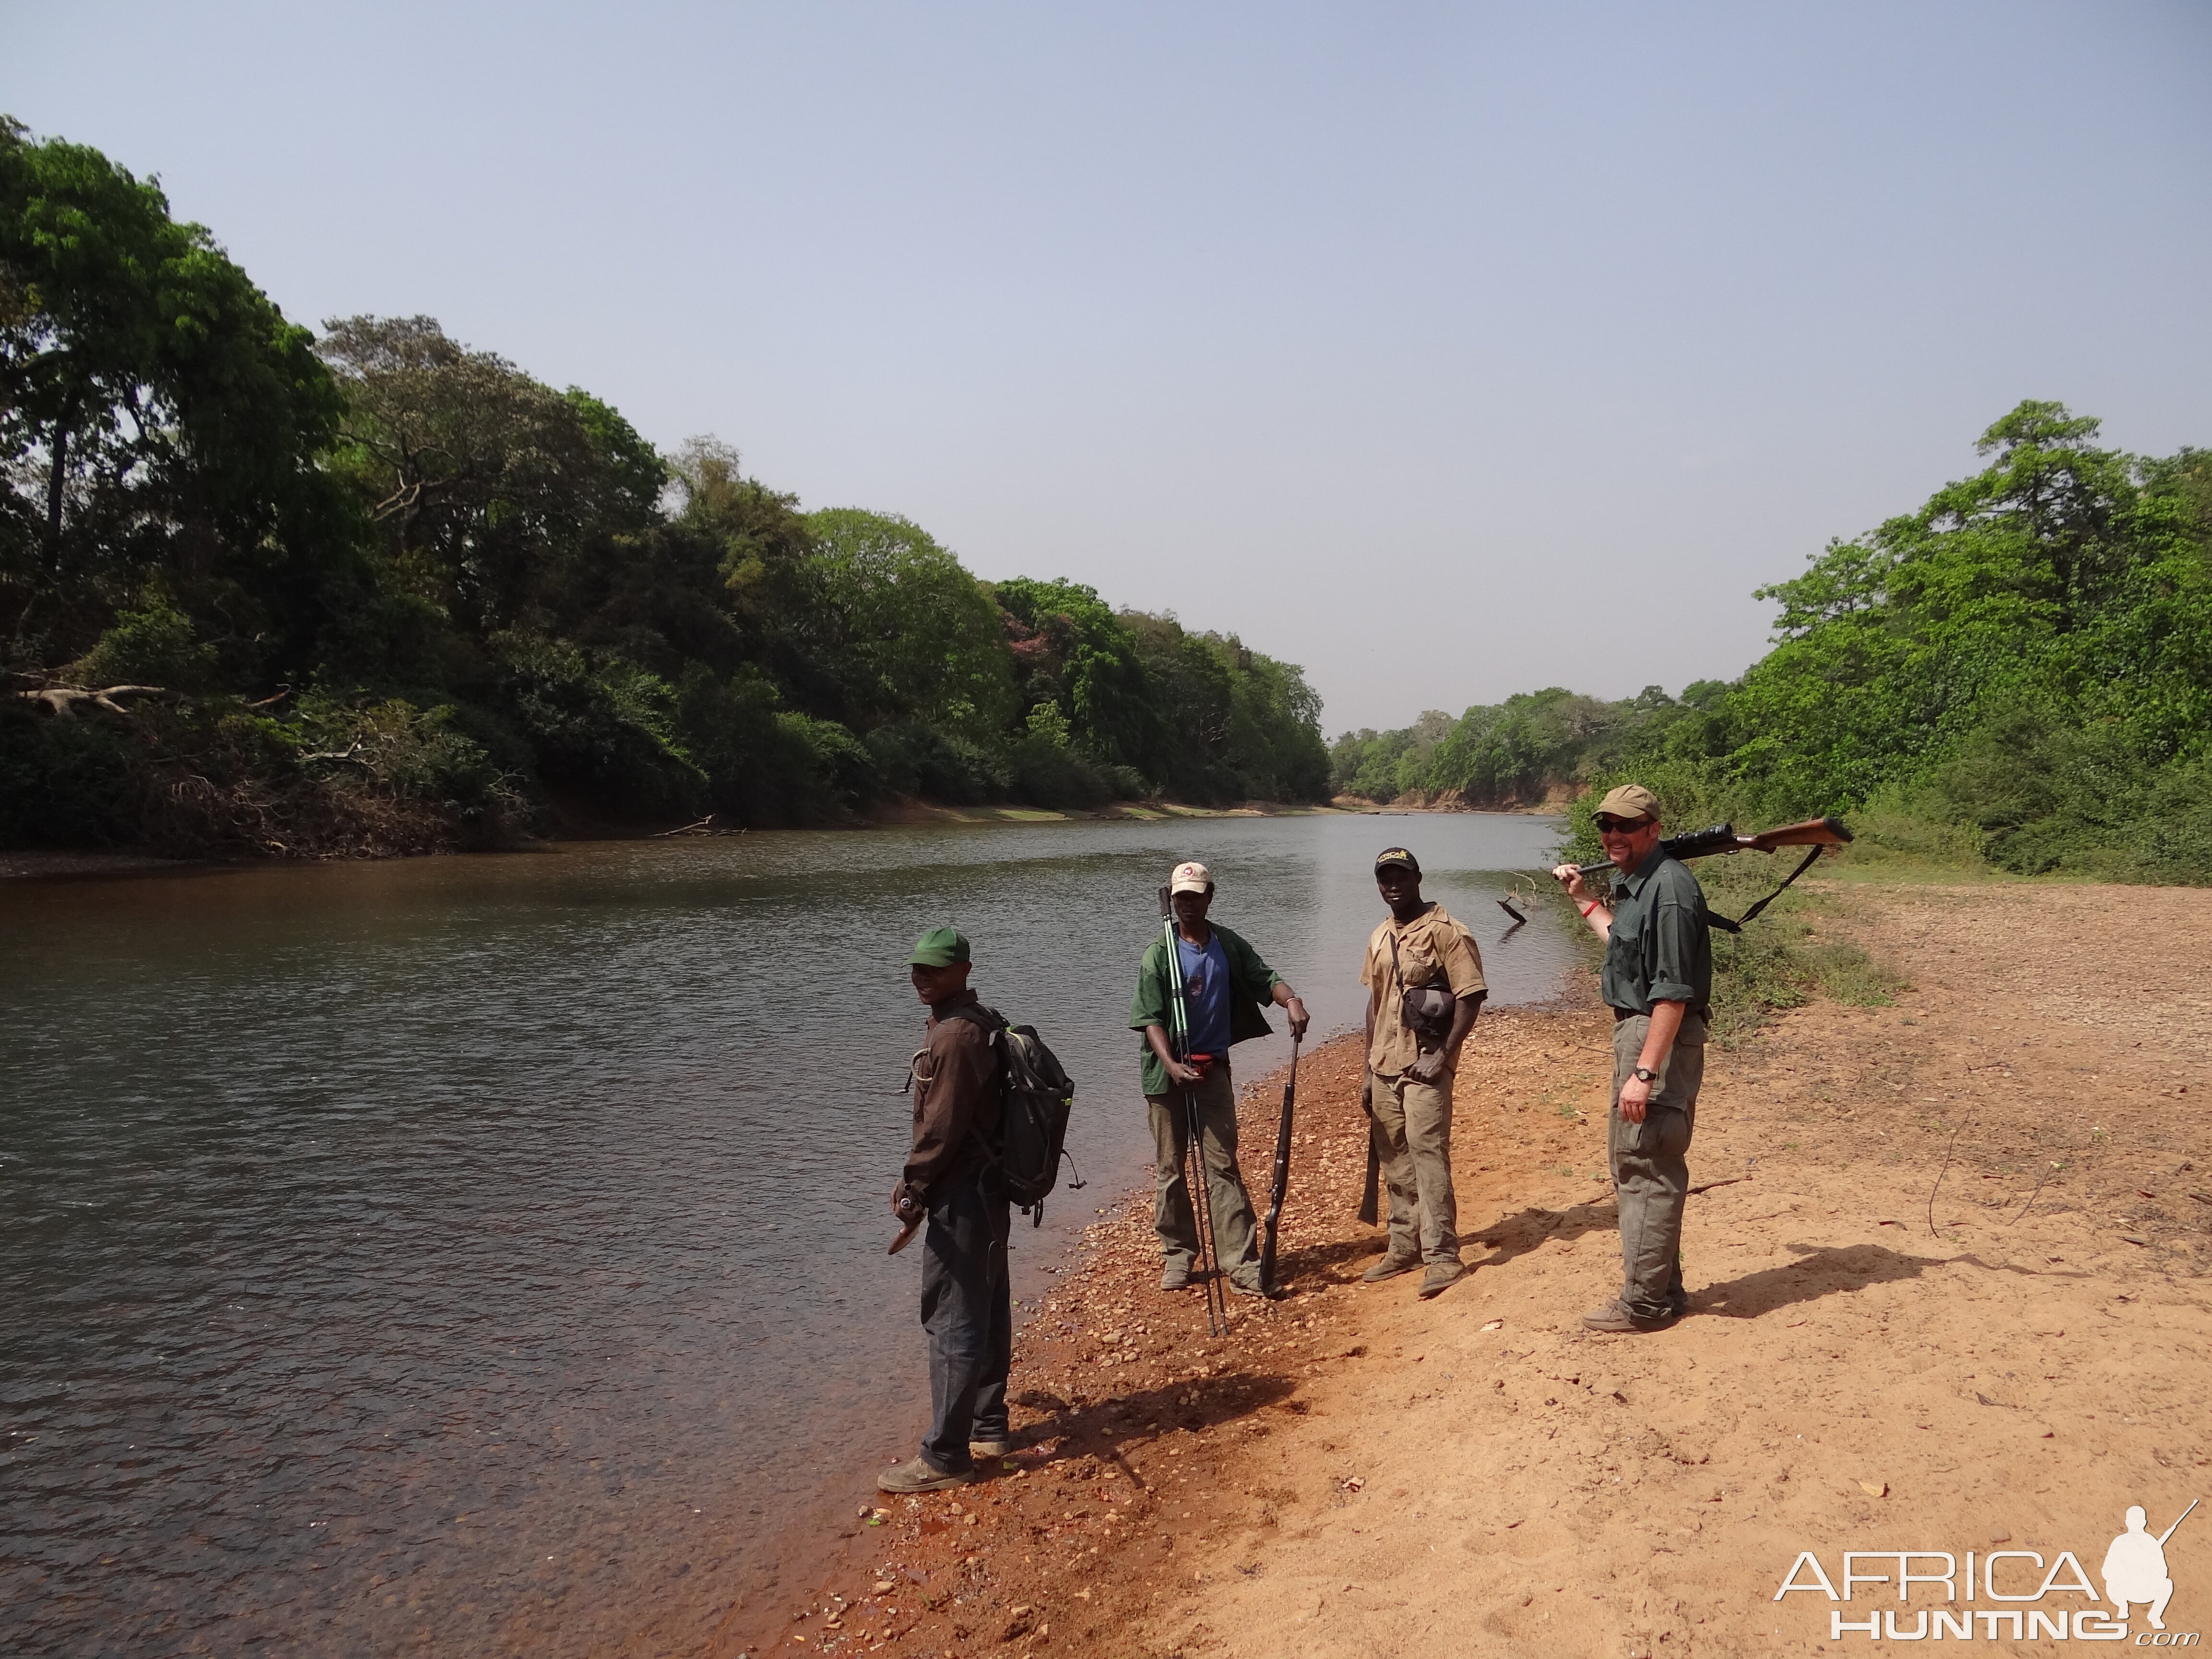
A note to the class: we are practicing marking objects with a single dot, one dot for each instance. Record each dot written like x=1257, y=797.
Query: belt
x=1619, y=1014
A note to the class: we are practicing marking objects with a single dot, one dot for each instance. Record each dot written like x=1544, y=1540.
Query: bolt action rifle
x=1816, y=834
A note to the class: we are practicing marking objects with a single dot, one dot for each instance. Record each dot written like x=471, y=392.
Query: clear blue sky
x=1449, y=351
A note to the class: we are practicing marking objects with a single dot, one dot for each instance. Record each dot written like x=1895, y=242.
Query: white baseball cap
x=1192, y=877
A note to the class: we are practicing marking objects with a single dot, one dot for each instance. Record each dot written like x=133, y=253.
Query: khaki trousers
x=1233, y=1245
x=1650, y=1166
x=1412, y=1140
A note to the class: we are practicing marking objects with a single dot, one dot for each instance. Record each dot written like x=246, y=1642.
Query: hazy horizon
x=1448, y=351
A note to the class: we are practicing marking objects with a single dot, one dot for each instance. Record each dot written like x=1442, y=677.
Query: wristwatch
x=1645, y=1074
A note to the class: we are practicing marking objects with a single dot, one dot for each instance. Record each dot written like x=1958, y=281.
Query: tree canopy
x=2028, y=656
x=378, y=589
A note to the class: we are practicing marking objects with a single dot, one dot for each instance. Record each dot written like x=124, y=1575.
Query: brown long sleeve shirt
x=956, y=1096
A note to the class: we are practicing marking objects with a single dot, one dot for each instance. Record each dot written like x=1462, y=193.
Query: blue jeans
x=967, y=1307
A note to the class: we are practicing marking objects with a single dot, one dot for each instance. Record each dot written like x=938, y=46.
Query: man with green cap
x=1225, y=986
x=1425, y=986
x=1658, y=981
x=966, y=1305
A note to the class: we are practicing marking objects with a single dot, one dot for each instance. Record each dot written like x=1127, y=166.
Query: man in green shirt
x=1225, y=986
x=1658, y=981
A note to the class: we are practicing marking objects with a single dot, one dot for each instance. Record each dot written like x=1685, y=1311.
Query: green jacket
x=1252, y=987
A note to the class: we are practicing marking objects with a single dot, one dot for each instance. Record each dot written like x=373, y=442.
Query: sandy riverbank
x=1356, y=1471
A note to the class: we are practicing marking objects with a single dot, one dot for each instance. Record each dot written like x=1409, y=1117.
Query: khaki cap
x=1190, y=878
x=1629, y=800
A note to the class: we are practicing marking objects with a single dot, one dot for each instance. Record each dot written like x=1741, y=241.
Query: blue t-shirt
x=1205, y=994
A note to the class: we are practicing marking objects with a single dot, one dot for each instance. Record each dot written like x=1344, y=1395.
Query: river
x=486, y=1254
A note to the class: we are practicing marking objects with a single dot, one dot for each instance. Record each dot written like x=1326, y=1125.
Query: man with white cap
x=1658, y=979
x=1225, y=986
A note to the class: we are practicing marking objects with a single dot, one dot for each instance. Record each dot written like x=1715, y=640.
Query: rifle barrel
x=1282, y=1183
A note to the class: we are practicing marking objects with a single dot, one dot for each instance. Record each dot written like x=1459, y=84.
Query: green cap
x=940, y=947
x=1391, y=855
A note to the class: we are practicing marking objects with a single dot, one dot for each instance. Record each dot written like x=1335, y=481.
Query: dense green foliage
x=376, y=591
x=1534, y=745
x=2023, y=666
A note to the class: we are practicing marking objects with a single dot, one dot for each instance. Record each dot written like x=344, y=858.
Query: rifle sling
x=1716, y=920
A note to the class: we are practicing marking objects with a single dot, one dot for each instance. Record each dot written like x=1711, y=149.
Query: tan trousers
x=1412, y=1138
x=1650, y=1166
x=1233, y=1245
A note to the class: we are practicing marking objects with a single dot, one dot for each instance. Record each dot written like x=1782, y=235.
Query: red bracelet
x=1587, y=908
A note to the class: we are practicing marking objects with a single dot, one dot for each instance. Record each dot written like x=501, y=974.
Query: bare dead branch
x=63, y=701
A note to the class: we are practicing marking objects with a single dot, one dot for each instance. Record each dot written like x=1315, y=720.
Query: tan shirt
x=1432, y=949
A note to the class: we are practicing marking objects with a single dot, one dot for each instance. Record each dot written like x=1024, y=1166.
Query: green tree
x=158, y=416
x=2052, y=584
x=481, y=477
x=1072, y=654
x=910, y=632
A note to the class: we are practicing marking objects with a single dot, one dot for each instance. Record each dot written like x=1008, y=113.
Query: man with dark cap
x=1425, y=986
x=1225, y=985
x=966, y=1306
x=1658, y=981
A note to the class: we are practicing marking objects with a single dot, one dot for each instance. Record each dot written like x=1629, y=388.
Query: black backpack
x=1035, y=1097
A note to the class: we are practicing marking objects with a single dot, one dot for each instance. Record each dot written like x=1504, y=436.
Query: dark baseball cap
x=1391, y=855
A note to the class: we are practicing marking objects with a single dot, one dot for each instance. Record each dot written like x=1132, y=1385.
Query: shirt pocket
x=1624, y=943
x=1418, y=964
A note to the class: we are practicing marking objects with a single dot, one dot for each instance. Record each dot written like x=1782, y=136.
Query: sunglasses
x=1608, y=825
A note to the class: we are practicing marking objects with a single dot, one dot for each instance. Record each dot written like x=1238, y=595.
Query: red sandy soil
x=2006, y=1360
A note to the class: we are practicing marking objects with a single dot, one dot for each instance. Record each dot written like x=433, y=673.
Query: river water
x=486, y=1254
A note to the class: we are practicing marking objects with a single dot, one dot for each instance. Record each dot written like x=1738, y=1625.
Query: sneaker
x=1389, y=1267
x=1252, y=1287
x=993, y=1445
x=1176, y=1277
x=1441, y=1277
x=918, y=1475
x=1614, y=1317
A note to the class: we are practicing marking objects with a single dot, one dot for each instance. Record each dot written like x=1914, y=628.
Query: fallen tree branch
x=1710, y=1185
x=1941, y=1173
x=62, y=701
x=351, y=753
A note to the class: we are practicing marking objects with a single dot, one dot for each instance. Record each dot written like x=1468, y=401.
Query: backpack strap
x=990, y=1020
x=991, y=1024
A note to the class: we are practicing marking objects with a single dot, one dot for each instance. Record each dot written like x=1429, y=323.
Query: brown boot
x=916, y=1475
x=1389, y=1267
x=1441, y=1277
x=1614, y=1317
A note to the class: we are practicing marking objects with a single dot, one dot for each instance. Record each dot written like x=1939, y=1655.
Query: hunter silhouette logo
x=2007, y=1592
x=2134, y=1567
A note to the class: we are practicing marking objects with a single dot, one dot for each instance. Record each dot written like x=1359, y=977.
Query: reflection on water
x=477, y=1254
